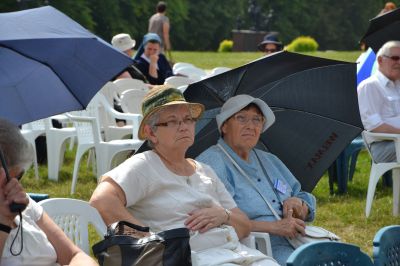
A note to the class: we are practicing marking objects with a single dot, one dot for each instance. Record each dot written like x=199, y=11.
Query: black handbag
x=125, y=244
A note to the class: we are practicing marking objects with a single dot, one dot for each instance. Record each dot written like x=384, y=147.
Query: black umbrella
x=314, y=101
x=382, y=29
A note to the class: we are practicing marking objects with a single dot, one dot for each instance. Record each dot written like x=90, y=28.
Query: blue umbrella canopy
x=49, y=64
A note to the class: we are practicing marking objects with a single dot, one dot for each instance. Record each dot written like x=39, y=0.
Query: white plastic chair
x=219, y=70
x=100, y=108
x=55, y=144
x=181, y=64
x=256, y=240
x=105, y=150
x=31, y=131
x=192, y=73
x=73, y=216
x=131, y=101
x=129, y=84
x=378, y=169
x=177, y=81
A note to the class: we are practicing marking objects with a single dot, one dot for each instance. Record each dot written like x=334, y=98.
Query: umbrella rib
x=277, y=109
x=34, y=59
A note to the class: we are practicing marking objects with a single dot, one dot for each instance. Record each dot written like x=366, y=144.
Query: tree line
x=203, y=24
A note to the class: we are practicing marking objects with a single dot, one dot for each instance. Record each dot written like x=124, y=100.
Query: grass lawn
x=342, y=214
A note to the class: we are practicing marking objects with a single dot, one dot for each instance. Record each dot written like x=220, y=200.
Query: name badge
x=280, y=186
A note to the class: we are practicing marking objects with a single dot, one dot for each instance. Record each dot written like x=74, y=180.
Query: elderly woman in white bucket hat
x=241, y=121
x=162, y=189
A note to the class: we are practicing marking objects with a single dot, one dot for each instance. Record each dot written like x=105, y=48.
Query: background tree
x=203, y=24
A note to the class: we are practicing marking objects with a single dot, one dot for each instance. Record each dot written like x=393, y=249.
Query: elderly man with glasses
x=379, y=100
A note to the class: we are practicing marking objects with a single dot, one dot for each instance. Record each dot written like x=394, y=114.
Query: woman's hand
x=289, y=226
x=206, y=218
x=11, y=191
x=300, y=210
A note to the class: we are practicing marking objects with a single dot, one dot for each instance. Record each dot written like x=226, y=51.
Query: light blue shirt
x=244, y=194
x=247, y=197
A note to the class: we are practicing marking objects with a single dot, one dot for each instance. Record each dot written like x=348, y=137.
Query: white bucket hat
x=237, y=103
x=123, y=42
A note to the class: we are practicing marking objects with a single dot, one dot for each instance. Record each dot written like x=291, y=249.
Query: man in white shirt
x=379, y=100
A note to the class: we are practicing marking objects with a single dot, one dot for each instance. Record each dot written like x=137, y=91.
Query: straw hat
x=160, y=97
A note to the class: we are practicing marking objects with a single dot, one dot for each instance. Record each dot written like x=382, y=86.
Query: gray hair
x=17, y=151
x=385, y=49
x=152, y=121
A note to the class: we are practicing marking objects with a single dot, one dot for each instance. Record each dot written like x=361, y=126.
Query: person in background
x=44, y=243
x=159, y=24
x=241, y=121
x=151, y=62
x=270, y=44
x=124, y=43
x=379, y=100
x=163, y=189
x=389, y=6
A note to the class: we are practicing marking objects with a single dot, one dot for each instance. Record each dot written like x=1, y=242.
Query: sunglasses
x=394, y=57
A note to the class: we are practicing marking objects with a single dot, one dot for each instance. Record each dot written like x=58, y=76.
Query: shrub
x=303, y=44
x=225, y=46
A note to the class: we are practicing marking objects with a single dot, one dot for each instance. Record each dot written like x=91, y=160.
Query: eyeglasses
x=177, y=123
x=270, y=50
x=394, y=57
x=243, y=119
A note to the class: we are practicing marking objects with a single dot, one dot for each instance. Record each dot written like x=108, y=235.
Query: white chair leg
x=77, y=162
x=71, y=143
x=35, y=163
x=55, y=156
x=396, y=191
x=376, y=172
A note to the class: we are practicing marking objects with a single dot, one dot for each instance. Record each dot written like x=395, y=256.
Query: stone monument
x=247, y=39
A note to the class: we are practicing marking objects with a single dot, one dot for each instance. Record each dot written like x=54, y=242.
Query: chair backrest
x=37, y=125
x=387, y=246
x=219, y=70
x=192, y=73
x=181, y=64
x=178, y=81
x=84, y=129
x=74, y=216
x=131, y=101
x=129, y=84
x=328, y=253
x=109, y=91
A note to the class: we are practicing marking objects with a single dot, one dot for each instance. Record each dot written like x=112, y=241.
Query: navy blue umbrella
x=49, y=64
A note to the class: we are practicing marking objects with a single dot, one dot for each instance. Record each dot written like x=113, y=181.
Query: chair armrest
x=375, y=136
x=370, y=137
x=259, y=241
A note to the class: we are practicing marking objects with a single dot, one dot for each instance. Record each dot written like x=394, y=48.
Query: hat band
x=162, y=99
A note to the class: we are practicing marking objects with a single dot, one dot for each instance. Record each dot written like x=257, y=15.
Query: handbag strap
x=250, y=181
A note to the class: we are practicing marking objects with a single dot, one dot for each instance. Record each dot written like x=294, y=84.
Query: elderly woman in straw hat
x=162, y=189
x=241, y=121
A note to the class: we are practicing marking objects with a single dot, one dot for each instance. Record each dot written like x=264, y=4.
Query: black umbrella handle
x=14, y=207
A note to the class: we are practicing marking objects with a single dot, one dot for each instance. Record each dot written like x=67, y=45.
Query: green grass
x=209, y=60
x=342, y=214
